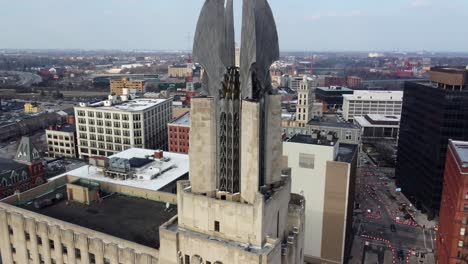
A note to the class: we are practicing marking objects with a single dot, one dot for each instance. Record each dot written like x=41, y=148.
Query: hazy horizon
x=303, y=25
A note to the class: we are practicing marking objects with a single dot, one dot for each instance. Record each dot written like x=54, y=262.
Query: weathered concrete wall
x=273, y=140
x=250, y=133
x=276, y=213
x=176, y=244
x=202, y=152
x=237, y=221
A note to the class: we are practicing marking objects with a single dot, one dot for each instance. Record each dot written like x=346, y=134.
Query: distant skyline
x=303, y=25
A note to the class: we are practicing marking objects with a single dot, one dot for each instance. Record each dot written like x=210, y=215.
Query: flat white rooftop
x=375, y=95
x=179, y=167
x=135, y=105
x=375, y=120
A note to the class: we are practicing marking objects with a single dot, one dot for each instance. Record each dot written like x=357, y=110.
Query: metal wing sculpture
x=259, y=48
x=208, y=44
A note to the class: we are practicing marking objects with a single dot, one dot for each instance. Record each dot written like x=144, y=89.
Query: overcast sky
x=303, y=25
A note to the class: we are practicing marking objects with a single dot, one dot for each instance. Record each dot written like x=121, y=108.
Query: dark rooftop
x=68, y=128
x=333, y=124
x=8, y=165
x=346, y=152
x=183, y=120
x=308, y=139
x=450, y=69
x=129, y=218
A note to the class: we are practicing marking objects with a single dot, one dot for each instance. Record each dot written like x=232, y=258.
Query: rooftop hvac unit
x=107, y=103
x=290, y=240
x=83, y=104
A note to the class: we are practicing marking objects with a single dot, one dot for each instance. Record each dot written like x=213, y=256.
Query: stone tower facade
x=237, y=206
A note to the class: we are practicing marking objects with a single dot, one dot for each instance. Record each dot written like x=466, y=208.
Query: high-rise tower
x=237, y=206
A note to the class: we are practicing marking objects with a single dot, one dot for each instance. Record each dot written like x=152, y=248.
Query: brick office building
x=452, y=242
x=178, y=134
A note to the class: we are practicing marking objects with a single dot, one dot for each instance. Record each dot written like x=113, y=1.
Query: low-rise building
x=361, y=103
x=61, y=141
x=376, y=127
x=117, y=124
x=32, y=108
x=117, y=86
x=332, y=96
x=179, y=134
x=324, y=171
x=354, y=82
x=24, y=172
x=453, y=219
x=179, y=71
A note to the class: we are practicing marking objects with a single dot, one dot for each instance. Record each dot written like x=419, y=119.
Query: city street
x=387, y=229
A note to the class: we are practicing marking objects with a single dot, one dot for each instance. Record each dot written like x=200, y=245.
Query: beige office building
x=362, y=103
x=179, y=71
x=87, y=216
x=61, y=141
x=117, y=86
x=117, y=124
x=323, y=170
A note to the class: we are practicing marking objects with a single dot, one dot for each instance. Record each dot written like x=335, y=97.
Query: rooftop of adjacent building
x=316, y=138
x=335, y=89
x=451, y=69
x=179, y=66
x=174, y=168
x=133, y=105
x=461, y=149
x=182, y=120
x=372, y=94
x=370, y=120
x=127, y=217
x=344, y=152
x=9, y=164
x=64, y=128
x=331, y=123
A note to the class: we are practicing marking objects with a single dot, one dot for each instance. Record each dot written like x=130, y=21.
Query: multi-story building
x=117, y=124
x=179, y=134
x=117, y=86
x=32, y=107
x=305, y=102
x=354, y=82
x=348, y=133
x=26, y=171
x=452, y=243
x=377, y=127
x=61, y=141
x=324, y=171
x=361, y=103
x=328, y=80
x=432, y=114
x=179, y=71
x=332, y=96
x=107, y=212
x=295, y=82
